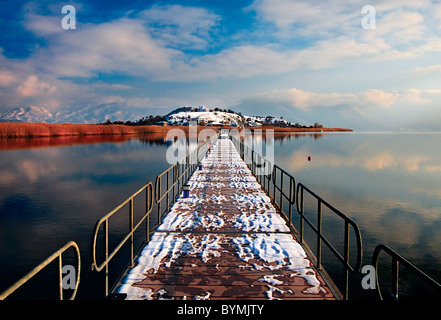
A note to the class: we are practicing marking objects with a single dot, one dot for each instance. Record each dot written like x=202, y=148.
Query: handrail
x=179, y=173
x=271, y=183
x=396, y=260
x=42, y=265
x=268, y=178
x=320, y=237
x=105, y=220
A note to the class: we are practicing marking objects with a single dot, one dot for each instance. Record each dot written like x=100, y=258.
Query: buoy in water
x=309, y=158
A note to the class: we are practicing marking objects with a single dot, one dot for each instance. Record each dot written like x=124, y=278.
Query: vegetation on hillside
x=245, y=121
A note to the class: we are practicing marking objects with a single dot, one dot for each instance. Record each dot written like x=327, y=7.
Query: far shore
x=19, y=129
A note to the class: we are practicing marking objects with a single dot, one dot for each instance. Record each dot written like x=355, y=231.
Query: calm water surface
x=51, y=195
x=389, y=184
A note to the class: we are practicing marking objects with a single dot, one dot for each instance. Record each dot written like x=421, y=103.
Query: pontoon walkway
x=225, y=240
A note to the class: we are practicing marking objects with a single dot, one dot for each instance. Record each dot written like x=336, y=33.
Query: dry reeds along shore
x=16, y=130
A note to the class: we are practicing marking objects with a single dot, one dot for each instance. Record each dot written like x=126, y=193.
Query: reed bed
x=20, y=129
x=13, y=130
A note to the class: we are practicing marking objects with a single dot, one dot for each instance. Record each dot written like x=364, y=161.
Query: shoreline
x=29, y=130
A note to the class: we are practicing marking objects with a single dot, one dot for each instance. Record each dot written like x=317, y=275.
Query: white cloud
x=43, y=27
x=400, y=27
x=378, y=98
x=307, y=18
x=432, y=68
x=240, y=61
x=137, y=102
x=7, y=78
x=370, y=98
x=152, y=44
x=251, y=60
x=393, y=5
x=123, y=45
x=305, y=100
x=438, y=11
x=181, y=27
x=32, y=86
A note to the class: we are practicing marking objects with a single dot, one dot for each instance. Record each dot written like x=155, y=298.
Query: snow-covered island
x=218, y=117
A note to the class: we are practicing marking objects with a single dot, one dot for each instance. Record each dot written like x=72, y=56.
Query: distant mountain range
x=98, y=114
x=28, y=114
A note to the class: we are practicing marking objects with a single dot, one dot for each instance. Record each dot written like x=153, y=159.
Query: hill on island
x=204, y=116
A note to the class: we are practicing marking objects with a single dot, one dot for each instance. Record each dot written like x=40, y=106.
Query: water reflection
x=57, y=141
x=50, y=194
x=387, y=183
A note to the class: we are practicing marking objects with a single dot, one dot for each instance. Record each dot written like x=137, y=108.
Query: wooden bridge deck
x=225, y=241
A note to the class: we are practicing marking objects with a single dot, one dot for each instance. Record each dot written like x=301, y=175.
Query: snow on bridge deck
x=225, y=241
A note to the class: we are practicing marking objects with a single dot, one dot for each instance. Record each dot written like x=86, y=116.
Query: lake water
x=53, y=191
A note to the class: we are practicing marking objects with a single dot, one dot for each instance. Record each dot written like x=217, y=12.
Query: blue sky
x=308, y=61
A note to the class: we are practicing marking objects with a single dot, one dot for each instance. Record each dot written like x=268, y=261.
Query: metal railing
x=279, y=184
x=57, y=254
x=169, y=184
x=281, y=188
x=167, y=188
x=104, y=221
x=321, y=238
x=396, y=261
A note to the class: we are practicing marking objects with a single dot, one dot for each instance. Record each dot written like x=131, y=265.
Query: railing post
x=174, y=184
x=106, y=253
x=178, y=178
x=394, y=280
x=168, y=202
x=319, y=234
x=291, y=197
x=281, y=192
x=302, y=213
x=148, y=202
x=346, y=260
x=60, y=273
x=274, y=183
x=131, y=231
x=252, y=161
x=267, y=178
x=157, y=195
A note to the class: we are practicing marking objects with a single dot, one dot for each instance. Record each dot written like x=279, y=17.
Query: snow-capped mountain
x=29, y=114
x=98, y=114
x=104, y=112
